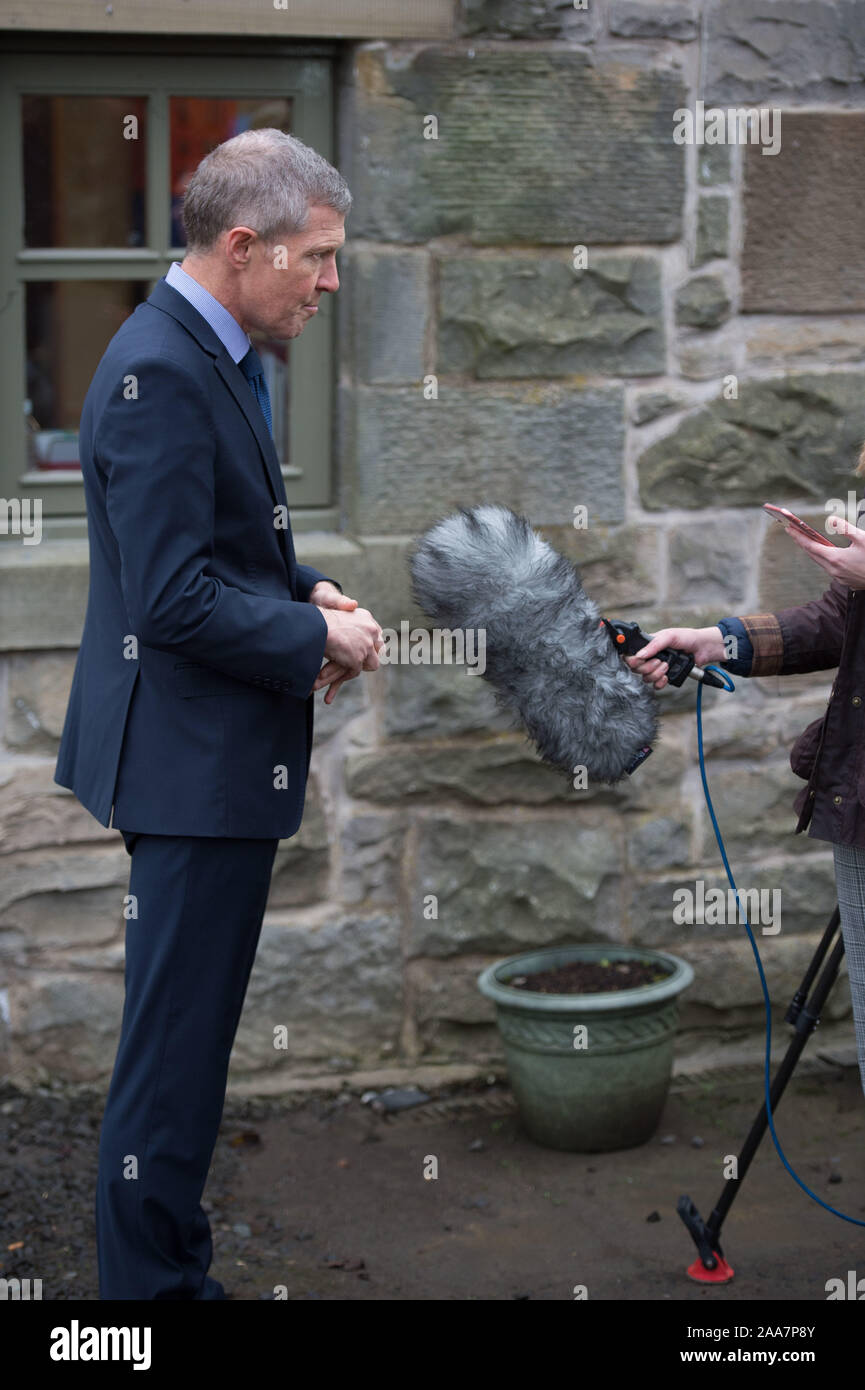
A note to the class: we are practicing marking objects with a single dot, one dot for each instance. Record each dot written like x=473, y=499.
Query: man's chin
x=298, y=323
x=282, y=333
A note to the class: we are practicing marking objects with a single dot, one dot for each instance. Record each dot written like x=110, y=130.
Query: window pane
x=198, y=124
x=84, y=171
x=69, y=326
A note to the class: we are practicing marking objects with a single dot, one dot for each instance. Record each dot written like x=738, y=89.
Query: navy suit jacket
x=190, y=709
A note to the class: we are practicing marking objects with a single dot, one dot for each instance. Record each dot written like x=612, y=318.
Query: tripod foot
x=721, y=1274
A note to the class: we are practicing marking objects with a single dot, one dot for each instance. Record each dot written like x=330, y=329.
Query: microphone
x=630, y=639
x=549, y=657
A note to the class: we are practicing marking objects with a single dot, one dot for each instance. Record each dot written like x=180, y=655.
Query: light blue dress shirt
x=224, y=324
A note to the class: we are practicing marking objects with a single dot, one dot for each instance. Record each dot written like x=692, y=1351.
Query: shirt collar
x=225, y=325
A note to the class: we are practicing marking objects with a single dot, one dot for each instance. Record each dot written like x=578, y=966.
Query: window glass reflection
x=198, y=124
x=84, y=171
x=69, y=325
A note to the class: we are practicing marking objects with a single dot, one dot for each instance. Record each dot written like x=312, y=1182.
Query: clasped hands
x=354, y=639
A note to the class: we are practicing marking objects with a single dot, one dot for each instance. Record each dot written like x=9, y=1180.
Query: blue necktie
x=252, y=369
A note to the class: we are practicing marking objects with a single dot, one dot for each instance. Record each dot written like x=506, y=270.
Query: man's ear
x=237, y=246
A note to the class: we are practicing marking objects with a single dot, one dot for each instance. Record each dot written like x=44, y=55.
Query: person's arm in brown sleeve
x=794, y=640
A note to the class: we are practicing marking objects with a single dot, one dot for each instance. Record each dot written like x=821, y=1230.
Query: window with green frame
x=95, y=154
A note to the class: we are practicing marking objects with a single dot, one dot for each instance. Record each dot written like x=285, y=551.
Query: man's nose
x=328, y=280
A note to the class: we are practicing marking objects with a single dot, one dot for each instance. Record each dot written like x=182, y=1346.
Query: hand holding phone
x=791, y=522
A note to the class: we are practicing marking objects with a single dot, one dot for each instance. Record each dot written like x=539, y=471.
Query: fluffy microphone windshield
x=548, y=660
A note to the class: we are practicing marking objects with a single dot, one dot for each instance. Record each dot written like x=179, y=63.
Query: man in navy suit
x=191, y=710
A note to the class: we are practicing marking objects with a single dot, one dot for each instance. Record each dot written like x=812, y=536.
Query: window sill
x=45, y=586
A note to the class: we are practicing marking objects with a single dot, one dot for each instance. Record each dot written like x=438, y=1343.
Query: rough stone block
x=726, y=982
x=447, y=990
x=528, y=19
x=420, y=459
x=38, y=693
x=702, y=302
x=778, y=52
x=637, y=19
x=596, y=165
x=390, y=300
x=44, y=595
x=753, y=725
x=799, y=341
x=65, y=1024
x=73, y=896
x=799, y=897
x=786, y=438
x=352, y=699
x=658, y=841
x=501, y=771
x=706, y=355
x=505, y=887
x=712, y=568
x=334, y=985
x=438, y=702
x=35, y=812
x=619, y=566
x=650, y=405
x=754, y=806
x=302, y=863
x=713, y=164
x=372, y=848
x=713, y=228
x=519, y=317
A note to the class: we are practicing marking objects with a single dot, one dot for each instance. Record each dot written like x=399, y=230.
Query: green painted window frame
x=308, y=82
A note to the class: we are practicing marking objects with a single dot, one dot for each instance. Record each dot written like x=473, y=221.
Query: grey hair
x=263, y=179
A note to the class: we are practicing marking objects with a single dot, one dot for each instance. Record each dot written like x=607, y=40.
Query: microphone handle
x=629, y=638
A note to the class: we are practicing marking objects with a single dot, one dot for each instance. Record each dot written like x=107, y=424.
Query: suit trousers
x=194, y=918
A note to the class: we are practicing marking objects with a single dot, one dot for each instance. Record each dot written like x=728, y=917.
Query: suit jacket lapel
x=168, y=299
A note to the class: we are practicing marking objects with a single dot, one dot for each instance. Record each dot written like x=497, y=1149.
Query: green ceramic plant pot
x=590, y=1072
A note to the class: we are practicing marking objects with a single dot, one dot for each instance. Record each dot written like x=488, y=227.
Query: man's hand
x=706, y=644
x=333, y=673
x=327, y=595
x=353, y=642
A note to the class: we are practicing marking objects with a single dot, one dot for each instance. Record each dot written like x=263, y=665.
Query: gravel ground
x=328, y=1199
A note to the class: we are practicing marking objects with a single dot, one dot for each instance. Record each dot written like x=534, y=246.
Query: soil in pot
x=592, y=977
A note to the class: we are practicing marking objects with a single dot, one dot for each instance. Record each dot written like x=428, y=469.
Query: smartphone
x=795, y=523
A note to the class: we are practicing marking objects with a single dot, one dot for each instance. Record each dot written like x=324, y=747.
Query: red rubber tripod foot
x=721, y=1274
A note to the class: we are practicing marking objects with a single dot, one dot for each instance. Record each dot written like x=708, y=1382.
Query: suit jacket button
x=856, y=701
x=837, y=800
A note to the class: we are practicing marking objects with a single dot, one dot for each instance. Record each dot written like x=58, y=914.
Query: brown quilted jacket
x=830, y=753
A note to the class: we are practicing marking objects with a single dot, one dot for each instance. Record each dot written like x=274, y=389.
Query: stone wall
x=707, y=357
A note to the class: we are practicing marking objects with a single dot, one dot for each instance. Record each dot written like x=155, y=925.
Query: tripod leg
x=806, y=1021
x=811, y=973
x=804, y=1014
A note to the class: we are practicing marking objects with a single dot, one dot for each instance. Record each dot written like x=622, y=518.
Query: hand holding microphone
x=705, y=644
